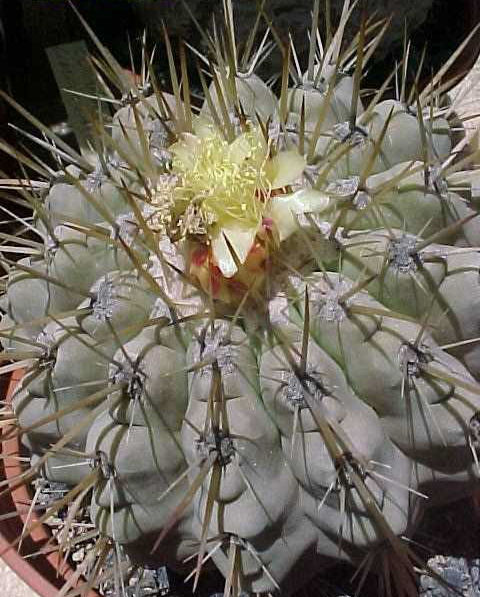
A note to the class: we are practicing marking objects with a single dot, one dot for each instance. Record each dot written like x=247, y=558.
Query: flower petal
x=241, y=241
x=282, y=215
x=285, y=168
x=284, y=208
x=184, y=150
x=203, y=128
x=222, y=255
x=239, y=149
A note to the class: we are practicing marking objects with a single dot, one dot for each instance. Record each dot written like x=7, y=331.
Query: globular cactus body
x=257, y=324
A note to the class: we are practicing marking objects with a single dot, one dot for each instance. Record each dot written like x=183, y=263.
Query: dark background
x=27, y=27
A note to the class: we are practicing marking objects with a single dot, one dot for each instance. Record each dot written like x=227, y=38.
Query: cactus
x=249, y=328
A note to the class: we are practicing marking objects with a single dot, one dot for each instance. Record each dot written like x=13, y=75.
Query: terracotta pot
x=45, y=573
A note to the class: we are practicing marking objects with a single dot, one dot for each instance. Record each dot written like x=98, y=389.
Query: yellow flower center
x=221, y=181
